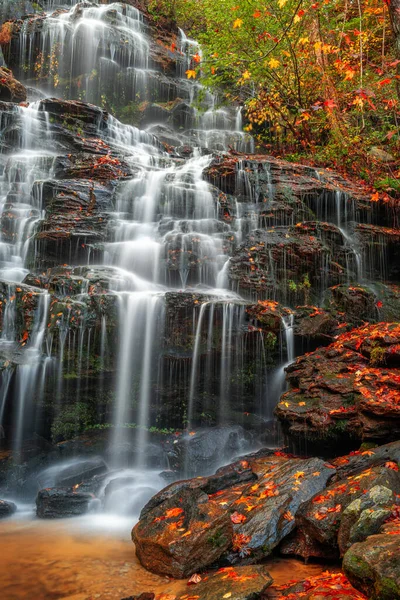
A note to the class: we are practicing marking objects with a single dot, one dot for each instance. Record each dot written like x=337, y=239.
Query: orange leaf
x=238, y=518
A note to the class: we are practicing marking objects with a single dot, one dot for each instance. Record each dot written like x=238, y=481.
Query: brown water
x=57, y=560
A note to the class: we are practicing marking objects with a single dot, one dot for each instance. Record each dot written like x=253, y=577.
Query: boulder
x=373, y=566
x=320, y=517
x=263, y=512
x=347, y=391
x=370, y=456
x=365, y=516
x=7, y=509
x=259, y=495
x=182, y=535
x=59, y=503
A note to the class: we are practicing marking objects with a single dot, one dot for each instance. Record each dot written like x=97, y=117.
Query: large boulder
x=347, y=391
x=244, y=511
x=320, y=517
x=183, y=534
x=373, y=566
x=264, y=512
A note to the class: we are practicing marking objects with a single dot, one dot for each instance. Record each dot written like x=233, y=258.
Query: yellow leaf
x=303, y=41
x=228, y=595
x=246, y=75
x=349, y=74
x=296, y=19
x=281, y=3
x=237, y=23
x=273, y=63
x=191, y=74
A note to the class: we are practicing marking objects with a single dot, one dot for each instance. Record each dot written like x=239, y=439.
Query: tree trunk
x=394, y=12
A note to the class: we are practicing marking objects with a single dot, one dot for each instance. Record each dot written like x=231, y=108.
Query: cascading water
x=127, y=253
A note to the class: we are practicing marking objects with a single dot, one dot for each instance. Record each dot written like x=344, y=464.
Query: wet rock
x=11, y=90
x=183, y=116
x=239, y=583
x=365, y=516
x=260, y=494
x=58, y=503
x=299, y=543
x=182, y=535
x=314, y=323
x=7, y=509
x=328, y=585
x=165, y=134
x=80, y=471
x=346, y=391
x=207, y=448
x=358, y=303
x=320, y=517
x=264, y=512
x=287, y=261
x=380, y=251
x=154, y=113
x=15, y=9
x=373, y=566
x=85, y=166
x=230, y=475
x=358, y=460
x=268, y=315
x=75, y=221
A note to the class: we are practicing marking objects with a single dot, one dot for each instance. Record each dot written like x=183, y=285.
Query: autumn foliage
x=317, y=78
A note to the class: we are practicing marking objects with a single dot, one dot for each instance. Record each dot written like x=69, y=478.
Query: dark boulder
x=263, y=512
x=204, y=450
x=7, y=509
x=59, y=503
x=259, y=494
x=182, y=535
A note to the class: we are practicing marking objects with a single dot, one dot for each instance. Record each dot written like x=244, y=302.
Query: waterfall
x=124, y=252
